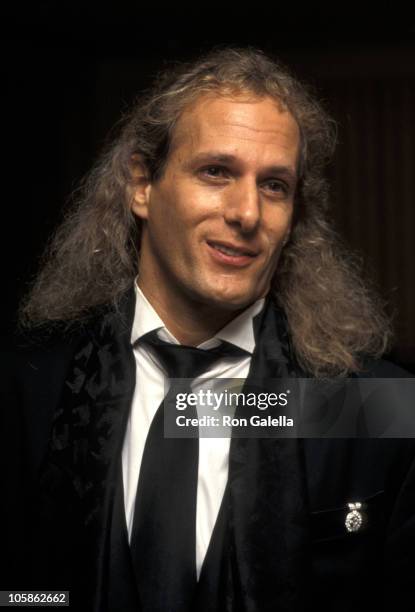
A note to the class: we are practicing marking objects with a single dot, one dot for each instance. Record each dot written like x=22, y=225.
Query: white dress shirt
x=148, y=395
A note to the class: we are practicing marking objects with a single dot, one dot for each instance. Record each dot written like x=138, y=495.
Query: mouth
x=231, y=254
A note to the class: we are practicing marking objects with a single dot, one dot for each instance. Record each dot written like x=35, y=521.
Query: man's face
x=215, y=222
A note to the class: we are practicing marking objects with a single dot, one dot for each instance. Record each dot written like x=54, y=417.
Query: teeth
x=228, y=251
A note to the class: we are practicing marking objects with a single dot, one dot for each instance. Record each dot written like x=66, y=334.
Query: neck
x=190, y=323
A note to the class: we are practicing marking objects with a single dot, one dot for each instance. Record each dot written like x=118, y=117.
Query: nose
x=243, y=206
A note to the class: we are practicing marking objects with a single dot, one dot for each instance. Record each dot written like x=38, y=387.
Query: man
x=204, y=226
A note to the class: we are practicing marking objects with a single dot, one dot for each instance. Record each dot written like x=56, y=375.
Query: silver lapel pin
x=355, y=518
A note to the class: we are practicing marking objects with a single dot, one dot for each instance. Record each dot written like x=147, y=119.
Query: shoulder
x=387, y=403
x=383, y=368
x=34, y=359
x=33, y=373
x=38, y=361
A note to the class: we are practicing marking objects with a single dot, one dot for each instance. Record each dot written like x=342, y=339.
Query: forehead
x=237, y=122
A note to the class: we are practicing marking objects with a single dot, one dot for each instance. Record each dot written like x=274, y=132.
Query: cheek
x=278, y=233
x=162, y=216
x=172, y=206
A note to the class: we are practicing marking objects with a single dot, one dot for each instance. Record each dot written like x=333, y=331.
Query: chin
x=231, y=301
x=222, y=295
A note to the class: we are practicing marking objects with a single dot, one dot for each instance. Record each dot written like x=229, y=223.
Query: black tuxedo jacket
x=64, y=414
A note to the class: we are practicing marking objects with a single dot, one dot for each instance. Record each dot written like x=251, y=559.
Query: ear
x=141, y=187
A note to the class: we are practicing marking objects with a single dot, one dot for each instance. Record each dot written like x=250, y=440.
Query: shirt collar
x=239, y=331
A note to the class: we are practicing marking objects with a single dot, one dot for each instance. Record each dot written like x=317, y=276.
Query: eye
x=214, y=171
x=277, y=187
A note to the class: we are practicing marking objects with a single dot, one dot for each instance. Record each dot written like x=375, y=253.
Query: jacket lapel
x=269, y=518
x=88, y=432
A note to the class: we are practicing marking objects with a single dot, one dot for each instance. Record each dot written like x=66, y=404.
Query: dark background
x=70, y=69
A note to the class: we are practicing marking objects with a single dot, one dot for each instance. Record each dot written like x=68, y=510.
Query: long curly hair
x=336, y=320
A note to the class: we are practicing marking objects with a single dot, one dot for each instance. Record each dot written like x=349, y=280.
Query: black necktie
x=163, y=541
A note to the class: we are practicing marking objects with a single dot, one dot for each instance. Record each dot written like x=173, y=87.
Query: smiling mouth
x=230, y=255
x=232, y=250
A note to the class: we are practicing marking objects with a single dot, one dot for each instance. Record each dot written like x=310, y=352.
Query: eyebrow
x=227, y=158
